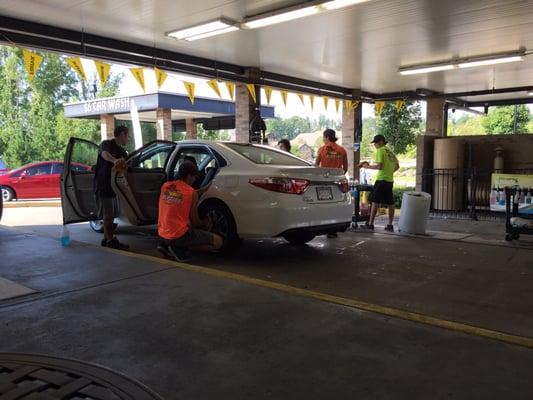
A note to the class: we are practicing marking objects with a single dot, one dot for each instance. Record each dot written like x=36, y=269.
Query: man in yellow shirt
x=386, y=163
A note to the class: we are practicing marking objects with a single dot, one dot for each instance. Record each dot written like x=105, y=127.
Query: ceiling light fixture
x=336, y=4
x=463, y=63
x=530, y=93
x=276, y=17
x=204, y=30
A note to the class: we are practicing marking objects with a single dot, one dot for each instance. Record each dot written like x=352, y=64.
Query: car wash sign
x=107, y=106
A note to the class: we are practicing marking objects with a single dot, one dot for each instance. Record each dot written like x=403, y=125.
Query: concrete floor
x=190, y=334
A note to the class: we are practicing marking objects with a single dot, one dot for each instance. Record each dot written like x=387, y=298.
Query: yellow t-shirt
x=389, y=162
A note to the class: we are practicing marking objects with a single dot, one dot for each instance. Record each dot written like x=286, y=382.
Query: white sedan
x=254, y=191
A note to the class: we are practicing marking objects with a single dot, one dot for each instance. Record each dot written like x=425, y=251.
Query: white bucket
x=414, y=213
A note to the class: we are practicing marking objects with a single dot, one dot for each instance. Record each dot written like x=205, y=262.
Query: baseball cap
x=379, y=138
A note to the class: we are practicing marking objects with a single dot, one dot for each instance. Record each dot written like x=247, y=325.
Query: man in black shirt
x=110, y=154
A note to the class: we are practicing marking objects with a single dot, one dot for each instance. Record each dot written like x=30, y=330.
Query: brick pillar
x=107, y=126
x=164, y=124
x=190, y=129
x=245, y=108
x=352, y=132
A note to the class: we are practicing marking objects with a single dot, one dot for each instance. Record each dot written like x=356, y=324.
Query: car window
x=42, y=169
x=153, y=157
x=264, y=155
x=197, y=155
x=57, y=168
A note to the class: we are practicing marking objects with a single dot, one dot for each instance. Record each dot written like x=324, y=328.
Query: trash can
x=414, y=213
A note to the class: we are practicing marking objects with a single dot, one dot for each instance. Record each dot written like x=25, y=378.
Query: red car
x=35, y=181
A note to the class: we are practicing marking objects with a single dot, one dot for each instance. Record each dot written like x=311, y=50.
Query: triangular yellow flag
x=251, y=89
x=138, y=74
x=337, y=105
x=213, y=84
x=325, y=99
x=103, y=71
x=268, y=93
x=399, y=104
x=189, y=87
x=348, y=104
x=160, y=77
x=312, y=100
x=356, y=104
x=378, y=106
x=301, y=97
x=231, y=89
x=31, y=62
x=284, y=95
x=76, y=65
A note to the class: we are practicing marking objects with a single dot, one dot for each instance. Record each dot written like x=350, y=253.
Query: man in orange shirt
x=179, y=226
x=331, y=155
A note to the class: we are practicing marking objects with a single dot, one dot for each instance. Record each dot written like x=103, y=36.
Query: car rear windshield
x=263, y=155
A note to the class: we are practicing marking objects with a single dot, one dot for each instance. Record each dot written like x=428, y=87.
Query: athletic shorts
x=106, y=207
x=193, y=238
x=382, y=193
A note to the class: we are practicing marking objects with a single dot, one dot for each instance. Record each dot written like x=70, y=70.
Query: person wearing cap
x=179, y=227
x=331, y=155
x=284, y=145
x=386, y=163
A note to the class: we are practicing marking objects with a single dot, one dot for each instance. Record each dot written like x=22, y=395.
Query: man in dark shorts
x=110, y=154
x=386, y=163
x=179, y=226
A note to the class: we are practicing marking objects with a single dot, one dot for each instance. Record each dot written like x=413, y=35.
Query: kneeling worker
x=179, y=226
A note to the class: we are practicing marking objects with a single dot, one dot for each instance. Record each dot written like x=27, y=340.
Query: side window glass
x=58, y=168
x=44, y=169
x=153, y=157
x=198, y=156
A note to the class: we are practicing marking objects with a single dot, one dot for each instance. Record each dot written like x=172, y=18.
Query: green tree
x=500, y=120
x=288, y=128
x=400, y=128
x=211, y=134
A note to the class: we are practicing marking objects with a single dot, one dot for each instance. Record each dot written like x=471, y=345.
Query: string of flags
x=33, y=60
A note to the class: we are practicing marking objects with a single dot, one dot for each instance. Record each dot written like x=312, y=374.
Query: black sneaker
x=368, y=226
x=389, y=228
x=103, y=243
x=115, y=244
x=164, y=250
x=332, y=235
x=180, y=254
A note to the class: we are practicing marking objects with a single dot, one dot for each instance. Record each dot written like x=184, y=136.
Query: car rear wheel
x=98, y=226
x=223, y=223
x=299, y=238
x=7, y=194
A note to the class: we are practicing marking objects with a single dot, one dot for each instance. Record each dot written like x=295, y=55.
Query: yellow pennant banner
x=356, y=104
x=268, y=93
x=284, y=95
x=189, y=87
x=378, y=106
x=399, y=104
x=77, y=66
x=103, y=71
x=337, y=105
x=31, y=62
x=325, y=99
x=251, y=89
x=348, y=104
x=213, y=84
x=231, y=89
x=160, y=77
x=138, y=74
x=312, y=101
x=301, y=97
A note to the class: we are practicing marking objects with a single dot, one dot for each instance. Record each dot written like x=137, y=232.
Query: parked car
x=35, y=181
x=255, y=191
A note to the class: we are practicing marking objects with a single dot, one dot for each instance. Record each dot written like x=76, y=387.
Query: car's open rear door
x=77, y=191
x=138, y=189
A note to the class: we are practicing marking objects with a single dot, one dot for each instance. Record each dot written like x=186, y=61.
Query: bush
x=398, y=194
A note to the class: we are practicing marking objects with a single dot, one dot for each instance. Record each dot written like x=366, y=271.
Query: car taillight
x=343, y=186
x=281, y=185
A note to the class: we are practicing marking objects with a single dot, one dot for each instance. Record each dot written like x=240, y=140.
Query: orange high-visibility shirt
x=332, y=156
x=174, y=209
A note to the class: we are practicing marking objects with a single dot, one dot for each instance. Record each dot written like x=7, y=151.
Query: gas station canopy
x=331, y=51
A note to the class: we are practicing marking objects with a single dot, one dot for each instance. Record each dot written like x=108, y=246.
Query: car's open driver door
x=77, y=192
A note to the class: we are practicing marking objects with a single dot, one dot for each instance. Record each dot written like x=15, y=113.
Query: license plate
x=324, y=193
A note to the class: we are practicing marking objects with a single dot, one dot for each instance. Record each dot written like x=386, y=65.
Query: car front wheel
x=299, y=238
x=97, y=226
x=7, y=194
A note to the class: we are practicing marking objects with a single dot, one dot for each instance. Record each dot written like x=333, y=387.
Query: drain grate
x=37, y=377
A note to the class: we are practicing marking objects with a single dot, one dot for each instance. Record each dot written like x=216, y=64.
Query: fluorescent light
x=423, y=70
x=282, y=16
x=530, y=93
x=203, y=30
x=490, y=61
x=336, y=4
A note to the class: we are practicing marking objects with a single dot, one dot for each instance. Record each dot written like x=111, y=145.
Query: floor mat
x=10, y=289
